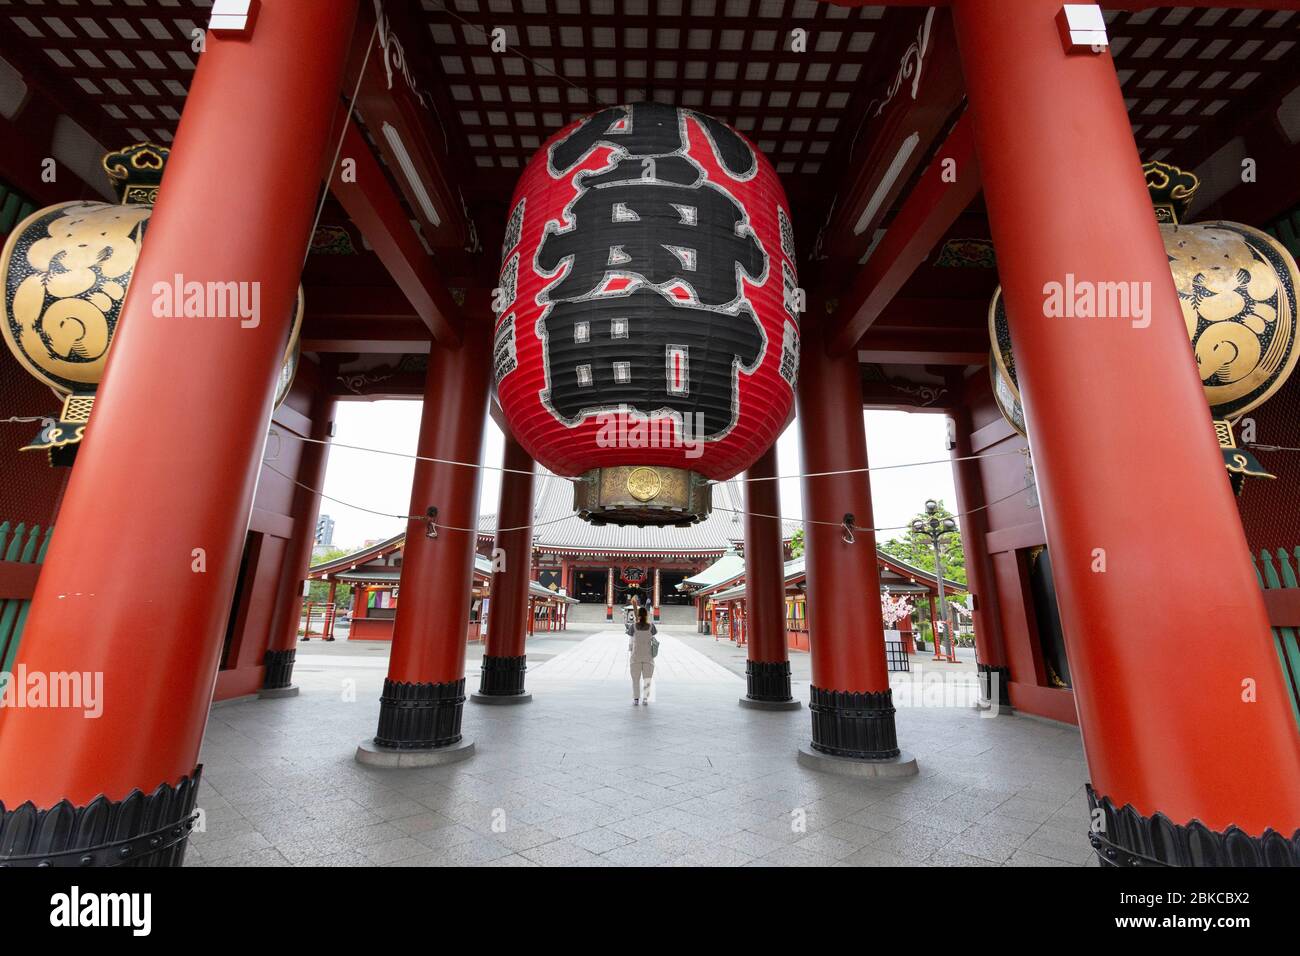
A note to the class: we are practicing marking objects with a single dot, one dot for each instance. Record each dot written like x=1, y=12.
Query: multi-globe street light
x=935, y=528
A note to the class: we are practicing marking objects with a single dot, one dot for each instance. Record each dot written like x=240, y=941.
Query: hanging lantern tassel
x=431, y=528
x=847, y=525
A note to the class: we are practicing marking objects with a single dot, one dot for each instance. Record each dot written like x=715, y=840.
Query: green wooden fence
x=1276, y=570
x=1286, y=230
x=14, y=207
x=24, y=545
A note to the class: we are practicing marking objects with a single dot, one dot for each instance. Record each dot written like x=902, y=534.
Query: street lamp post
x=935, y=528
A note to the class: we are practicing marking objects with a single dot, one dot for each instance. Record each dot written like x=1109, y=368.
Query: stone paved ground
x=580, y=777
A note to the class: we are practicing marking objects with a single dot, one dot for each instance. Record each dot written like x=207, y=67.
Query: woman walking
x=641, y=650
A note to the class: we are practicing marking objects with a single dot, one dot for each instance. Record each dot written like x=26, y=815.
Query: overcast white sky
x=383, y=482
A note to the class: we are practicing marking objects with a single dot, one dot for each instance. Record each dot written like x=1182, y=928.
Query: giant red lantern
x=647, y=336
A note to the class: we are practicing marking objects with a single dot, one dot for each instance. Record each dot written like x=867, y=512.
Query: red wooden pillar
x=358, y=610
x=935, y=636
x=850, y=698
x=905, y=632
x=283, y=642
x=656, y=595
x=173, y=511
x=502, y=679
x=609, y=596
x=767, y=664
x=1210, y=735
x=333, y=615
x=424, y=694
x=990, y=651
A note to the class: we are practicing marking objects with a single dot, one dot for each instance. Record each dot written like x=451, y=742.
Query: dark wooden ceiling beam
x=404, y=117
x=1261, y=101
x=924, y=218
x=1110, y=4
x=375, y=210
x=358, y=302
x=931, y=314
x=1233, y=6
x=377, y=336
x=893, y=141
x=924, y=354
x=971, y=339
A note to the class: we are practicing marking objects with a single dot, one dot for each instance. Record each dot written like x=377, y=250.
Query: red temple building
x=1069, y=230
x=375, y=573
x=694, y=575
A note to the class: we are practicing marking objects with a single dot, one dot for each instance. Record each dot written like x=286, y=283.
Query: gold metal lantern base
x=642, y=495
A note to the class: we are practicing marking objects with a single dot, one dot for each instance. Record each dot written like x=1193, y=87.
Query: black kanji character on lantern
x=651, y=129
x=640, y=353
x=651, y=213
x=657, y=219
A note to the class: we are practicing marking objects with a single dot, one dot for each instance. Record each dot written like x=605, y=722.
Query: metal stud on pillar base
x=768, y=686
x=502, y=681
x=853, y=735
x=419, y=726
x=278, y=681
x=139, y=830
x=1124, y=837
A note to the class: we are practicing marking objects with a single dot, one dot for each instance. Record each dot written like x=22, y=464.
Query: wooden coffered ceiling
x=1189, y=75
x=1194, y=78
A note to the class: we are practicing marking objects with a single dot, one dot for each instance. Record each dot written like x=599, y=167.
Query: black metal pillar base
x=855, y=724
x=904, y=765
x=750, y=704
x=420, y=716
x=993, y=688
x=279, y=669
x=501, y=699
x=140, y=830
x=768, y=682
x=1124, y=837
x=502, y=676
x=391, y=758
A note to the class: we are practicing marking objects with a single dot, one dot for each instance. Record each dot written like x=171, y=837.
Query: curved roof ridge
x=365, y=553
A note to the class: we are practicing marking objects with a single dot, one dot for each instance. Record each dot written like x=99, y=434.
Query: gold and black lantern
x=64, y=274
x=1237, y=287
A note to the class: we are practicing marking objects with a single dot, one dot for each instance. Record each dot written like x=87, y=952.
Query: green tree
x=319, y=591
x=796, y=543
x=917, y=550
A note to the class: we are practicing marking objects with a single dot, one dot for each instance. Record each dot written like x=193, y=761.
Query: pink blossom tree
x=894, y=609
